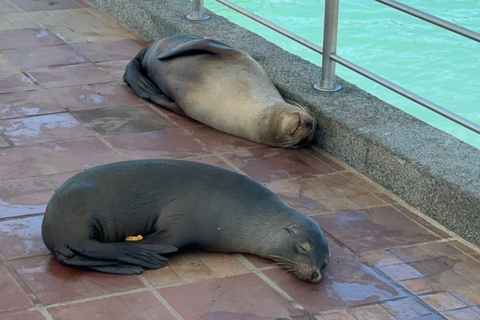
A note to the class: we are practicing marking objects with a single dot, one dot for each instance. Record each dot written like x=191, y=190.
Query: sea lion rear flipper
x=199, y=46
x=146, y=89
x=119, y=255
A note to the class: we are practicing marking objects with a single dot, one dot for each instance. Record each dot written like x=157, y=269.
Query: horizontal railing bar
x=407, y=94
x=273, y=26
x=356, y=68
x=432, y=19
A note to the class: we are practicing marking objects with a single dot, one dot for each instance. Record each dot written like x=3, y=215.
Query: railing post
x=330, y=32
x=198, y=11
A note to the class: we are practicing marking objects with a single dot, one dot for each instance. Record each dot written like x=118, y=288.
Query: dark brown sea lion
x=175, y=204
x=219, y=86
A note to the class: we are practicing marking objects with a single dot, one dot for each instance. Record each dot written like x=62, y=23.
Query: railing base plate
x=336, y=87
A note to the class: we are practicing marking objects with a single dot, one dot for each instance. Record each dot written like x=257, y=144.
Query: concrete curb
x=426, y=167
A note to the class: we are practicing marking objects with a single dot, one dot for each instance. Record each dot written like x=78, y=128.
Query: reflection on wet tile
x=162, y=277
x=140, y=305
x=123, y=119
x=43, y=56
x=21, y=238
x=64, y=156
x=95, y=96
x=61, y=76
x=53, y=282
x=346, y=282
x=380, y=258
x=469, y=295
x=378, y=228
x=265, y=164
x=220, y=299
x=109, y=50
x=12, y=296
x=168, y=143
x=44, y=128
x=21, y=38
x=27, y=104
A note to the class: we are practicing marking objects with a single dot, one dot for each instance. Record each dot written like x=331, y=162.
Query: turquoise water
x=430, y=61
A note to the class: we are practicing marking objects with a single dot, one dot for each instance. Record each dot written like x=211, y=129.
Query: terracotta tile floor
x=64, y=108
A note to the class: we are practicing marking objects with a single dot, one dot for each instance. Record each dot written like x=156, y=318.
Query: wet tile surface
x=64, y=108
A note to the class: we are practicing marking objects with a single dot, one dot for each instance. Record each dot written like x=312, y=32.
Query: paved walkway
x=64, y=108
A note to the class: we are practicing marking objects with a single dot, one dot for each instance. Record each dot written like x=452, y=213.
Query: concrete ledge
x=427, y=168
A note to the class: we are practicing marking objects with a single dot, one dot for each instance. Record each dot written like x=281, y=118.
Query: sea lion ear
x=292, y=229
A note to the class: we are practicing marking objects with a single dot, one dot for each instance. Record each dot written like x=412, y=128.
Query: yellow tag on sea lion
x=134, y=238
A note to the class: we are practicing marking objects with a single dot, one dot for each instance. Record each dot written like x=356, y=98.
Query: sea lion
x=220, y=86
x=175, y=204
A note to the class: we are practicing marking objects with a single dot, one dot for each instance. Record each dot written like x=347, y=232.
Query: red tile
x=53, y=282
x=28, y=103
x=211, y=159
x=259, y=262
x=108, y=51
x=401, y=271
x=423, y=222
x=64, y=156
x=443, y=301
x=374, y=228
x=219, y=142
x=140, y=305
x=380, y=258
x=44, y=128
x=41, y=5
x=168, y=143
x=71, y=75
x=229, y=298
x=321, y=156
x=16, y=82
x=15, y=165
x=24, y=197
x=181, y=121
x=43, y=56
x=454, y=271
x=336, y=315
x=421, y=285
x=3, y=143
x=469, y=295
x=309, y=195
x=346, y=282
x=405, y=309
x=123, y=119
x=94, y=96
x=21, y=38
x=462, y=314
x=12, y=296
x=23, y=315
x=20, y=238
x=371, y=312
x=265, y=164
x=425, y=251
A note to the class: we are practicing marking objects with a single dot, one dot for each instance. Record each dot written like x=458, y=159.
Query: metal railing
x=329, y=56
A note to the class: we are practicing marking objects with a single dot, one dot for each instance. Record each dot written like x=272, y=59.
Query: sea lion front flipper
x=93, y=254
x=146, y=89
x=199, y=46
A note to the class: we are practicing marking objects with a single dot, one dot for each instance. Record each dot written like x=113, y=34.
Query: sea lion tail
x=119, y=257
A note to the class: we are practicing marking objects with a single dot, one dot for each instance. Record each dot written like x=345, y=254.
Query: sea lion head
x=291, y=125
x=303, y=250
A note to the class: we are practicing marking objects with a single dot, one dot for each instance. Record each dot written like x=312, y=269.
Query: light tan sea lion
x=220, y=86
